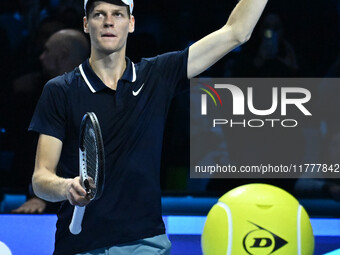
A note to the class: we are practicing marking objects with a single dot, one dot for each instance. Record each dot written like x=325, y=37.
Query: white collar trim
x=85, y=79
x=134, y=75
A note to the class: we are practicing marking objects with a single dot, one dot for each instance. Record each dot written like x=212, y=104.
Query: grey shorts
x=157, y=245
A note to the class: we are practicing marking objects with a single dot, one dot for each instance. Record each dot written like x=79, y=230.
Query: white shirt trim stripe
x=134, y=77
x=86, y=80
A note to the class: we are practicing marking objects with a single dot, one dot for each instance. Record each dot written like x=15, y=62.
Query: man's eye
x=118, y=14
x=97, y=14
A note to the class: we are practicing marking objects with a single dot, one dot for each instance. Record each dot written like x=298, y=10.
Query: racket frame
x=78, y=213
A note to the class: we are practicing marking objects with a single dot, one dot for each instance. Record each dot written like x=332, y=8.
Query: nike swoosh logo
x=135, y=93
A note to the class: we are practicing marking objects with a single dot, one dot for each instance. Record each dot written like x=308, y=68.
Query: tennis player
x=131, y=102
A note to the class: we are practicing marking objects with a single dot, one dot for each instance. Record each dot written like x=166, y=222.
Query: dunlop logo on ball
x=261, y=241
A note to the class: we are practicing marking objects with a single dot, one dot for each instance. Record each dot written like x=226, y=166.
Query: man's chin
x=110, y=50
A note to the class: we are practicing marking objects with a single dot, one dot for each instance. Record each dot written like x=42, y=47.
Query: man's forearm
x=238, y=29
x=49, y=186
x=244, y=17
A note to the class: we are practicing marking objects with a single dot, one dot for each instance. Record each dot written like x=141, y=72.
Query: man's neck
x=109, y=68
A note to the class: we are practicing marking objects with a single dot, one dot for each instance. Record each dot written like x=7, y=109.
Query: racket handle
x=77, y=218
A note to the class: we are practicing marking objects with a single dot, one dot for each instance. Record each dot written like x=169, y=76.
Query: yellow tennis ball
x=257, y=219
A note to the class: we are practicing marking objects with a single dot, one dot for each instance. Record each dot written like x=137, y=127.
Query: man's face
x=108, y=26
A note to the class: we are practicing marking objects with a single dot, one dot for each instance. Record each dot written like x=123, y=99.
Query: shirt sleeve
x=50, y=113
x=174, y=70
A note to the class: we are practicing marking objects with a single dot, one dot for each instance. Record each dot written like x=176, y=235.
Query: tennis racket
x=91, y=165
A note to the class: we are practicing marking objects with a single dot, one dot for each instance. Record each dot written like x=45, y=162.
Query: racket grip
x=77, y=218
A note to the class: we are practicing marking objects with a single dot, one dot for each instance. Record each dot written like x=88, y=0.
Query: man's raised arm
x=237, y=31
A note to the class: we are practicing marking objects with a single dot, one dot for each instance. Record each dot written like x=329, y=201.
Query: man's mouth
x=109, y=35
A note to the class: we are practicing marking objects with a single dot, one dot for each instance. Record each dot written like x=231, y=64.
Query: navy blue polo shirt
x=132, y=120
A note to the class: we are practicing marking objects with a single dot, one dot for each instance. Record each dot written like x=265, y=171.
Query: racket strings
x=91, y=148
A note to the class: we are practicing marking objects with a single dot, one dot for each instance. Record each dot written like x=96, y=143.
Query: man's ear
x=132, y=24
x=85, y=25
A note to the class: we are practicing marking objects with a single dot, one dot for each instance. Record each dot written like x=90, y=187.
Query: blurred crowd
x=43, y=38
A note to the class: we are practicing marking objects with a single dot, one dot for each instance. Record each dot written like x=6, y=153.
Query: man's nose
x=108, y=22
